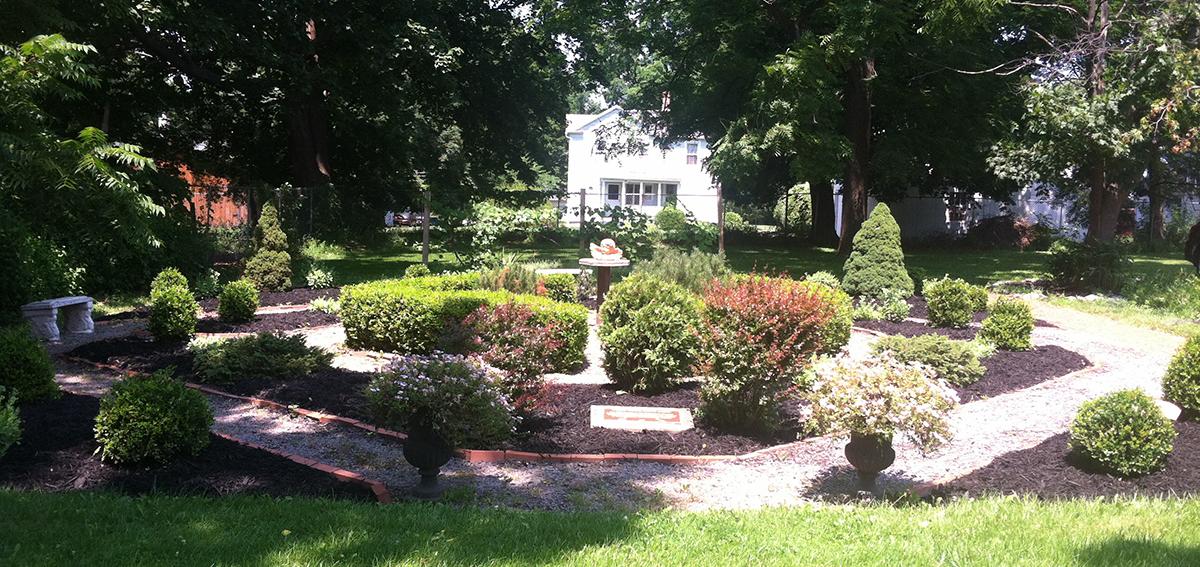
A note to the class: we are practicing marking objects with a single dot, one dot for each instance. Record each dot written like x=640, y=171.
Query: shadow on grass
x=1126, y=551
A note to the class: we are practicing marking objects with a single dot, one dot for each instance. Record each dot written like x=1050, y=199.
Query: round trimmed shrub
x=1010, y=325
x=671, y=220
x=560, y=287
x=10, y=422
x=1124, y=433
x=655, y=348
x=876, y=261
x=956, y=362
x=824, y=278
x=1181, y=384
x=736, y=224
x=950, y=303
x=169, y=277
x=634, y=293
x=979, y=297
x=416, y=271
x=152, y=419
x=173, y=313
x=271, y=266
x=239, y=301
x=25, y=367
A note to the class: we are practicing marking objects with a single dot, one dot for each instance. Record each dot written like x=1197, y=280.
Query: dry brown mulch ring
x=1009, y=371
x=1049, y=470
x=272, y=322
x=56, y=453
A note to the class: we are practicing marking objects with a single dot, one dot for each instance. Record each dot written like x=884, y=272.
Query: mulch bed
x=1051, y=471
x=1011, y=371
x=57, y=452
x=297, y=296
x=919, y=309
x=272, y=322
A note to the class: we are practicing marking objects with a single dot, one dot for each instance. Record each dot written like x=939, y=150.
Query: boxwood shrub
x=238, y=302
x=416, y=271
x=956, y=362
x=25, y=367
x=950, y=302
x=560, y=287
x=173, y=309
x=10, y=421
x=1010, y=325
x=169, y=277
x=421, y=315
x=1181, y=384
x=979, y=297
x=1124, y=433
x=152, y=419
x=657, y=346
x=635, y=292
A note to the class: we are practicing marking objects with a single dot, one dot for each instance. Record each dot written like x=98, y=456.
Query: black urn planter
x=428, y=451
x=870, y=454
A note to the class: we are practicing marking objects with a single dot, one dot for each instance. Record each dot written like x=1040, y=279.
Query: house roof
x=577, y=123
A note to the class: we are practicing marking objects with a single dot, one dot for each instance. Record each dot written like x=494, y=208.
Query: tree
x=877, y=262
x=271, y=266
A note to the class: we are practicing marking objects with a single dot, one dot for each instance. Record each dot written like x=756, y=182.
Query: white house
x=646, y=179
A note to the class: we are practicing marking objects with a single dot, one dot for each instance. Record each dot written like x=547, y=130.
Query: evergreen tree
x=271, y=266
x=877, y=260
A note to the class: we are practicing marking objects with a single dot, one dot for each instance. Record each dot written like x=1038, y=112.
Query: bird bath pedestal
x=603, y=274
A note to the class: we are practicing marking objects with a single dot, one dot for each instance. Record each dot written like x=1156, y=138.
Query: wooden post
x=720, y=219
x=583, y=241
x=603, y=282
x=425, y=231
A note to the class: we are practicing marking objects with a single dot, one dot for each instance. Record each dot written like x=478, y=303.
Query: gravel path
x=810, y=470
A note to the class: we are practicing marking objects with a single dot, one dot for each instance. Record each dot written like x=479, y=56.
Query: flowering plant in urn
x=606, y=250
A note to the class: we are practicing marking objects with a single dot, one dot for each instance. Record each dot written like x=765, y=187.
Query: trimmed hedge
x=1181, y=384
x=25, y=367
x=1124, y=432
x=421, y=315
x=950, y=302
x=238, y=302
x=265, y=355
x=560, y=287
x=152, y=419
x=635, y=292
x=173, y=314
x=1010, y=326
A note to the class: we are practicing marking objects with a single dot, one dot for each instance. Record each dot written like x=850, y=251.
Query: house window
x=670, y=194
x=649, y=194
x=692, y=150
x=640, y=194
x=612, y=193
x=633, y=193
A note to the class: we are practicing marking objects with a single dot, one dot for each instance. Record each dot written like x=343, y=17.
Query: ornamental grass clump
x=876, y=261
x=452, y=396
x=1010, y=325
x=1124, y=433
x=881, y=397
x=758, y=338
x=950, y=302
x=510, y=337
x=1181, y=384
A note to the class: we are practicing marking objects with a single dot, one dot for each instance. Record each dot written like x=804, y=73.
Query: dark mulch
x=1012, y=371
x=335, y=390
x=137, y=354
x=270, y=322
x=1050, y=470
x=919, y=309
x=57, y=448
x=298, y=296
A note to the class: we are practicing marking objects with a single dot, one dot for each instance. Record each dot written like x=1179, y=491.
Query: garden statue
x=1191, y=250
x=606, y=250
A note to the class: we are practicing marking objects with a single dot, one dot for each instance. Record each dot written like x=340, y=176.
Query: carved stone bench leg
x=79, y=318
x=44, y=323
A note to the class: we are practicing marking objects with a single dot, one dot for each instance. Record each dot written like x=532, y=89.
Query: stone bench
x=43, y=316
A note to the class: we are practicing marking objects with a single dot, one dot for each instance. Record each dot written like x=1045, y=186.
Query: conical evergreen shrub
x=876, y=262
x=271, y=266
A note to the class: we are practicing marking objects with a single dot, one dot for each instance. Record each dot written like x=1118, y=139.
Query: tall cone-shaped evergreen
x=876, y=262
x=271, y=266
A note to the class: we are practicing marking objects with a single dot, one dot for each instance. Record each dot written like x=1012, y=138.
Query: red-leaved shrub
x=760, y=336
x=509, y=337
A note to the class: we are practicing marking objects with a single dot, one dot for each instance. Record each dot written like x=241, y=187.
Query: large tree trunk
x=857, y=103
x=824, y=220
x=308, y=132
x=1157, y=224
x=1104, y=204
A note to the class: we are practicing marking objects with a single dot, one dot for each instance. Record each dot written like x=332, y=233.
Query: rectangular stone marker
x=634, y=418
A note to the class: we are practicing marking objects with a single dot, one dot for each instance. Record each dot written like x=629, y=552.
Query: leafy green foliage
x=510, y=337
x=169, y=277
x=950, y=302
x=979, y=298
x=735, y=224
x=656, y=346
x=893, y=305
x=265, y=355
x=238, y=302
x=560, y=287
x=834, y=333
x=416, y=271
x=628, y=227
x=173, y=311
x=454, y=396
x=759, y=336
x=877, y=261
x=421, y=315
x=679, y=227
x=1009, y=326
x=1091, y=266
x=318, y=277
x=671, y=220
x=208, y=284
x=10, y=421
x=1181, y=384
x=25, y=367
x=693, y=270
x=824, y=278
x=271, y=266
x=956, y=362
x=635, y=292
x=1124, y=432
x=152, y=419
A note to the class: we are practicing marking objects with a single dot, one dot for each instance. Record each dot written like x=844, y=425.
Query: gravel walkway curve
x=814, y=469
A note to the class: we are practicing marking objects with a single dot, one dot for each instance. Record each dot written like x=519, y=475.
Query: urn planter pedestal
x=426, y=450
x=870, y=454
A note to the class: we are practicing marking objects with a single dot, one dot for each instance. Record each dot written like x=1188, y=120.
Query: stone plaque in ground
x=634, y=418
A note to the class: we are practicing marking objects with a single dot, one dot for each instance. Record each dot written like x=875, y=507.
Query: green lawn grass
x=93, y=529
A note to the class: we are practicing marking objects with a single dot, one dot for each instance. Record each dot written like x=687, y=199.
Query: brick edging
x=378, y=489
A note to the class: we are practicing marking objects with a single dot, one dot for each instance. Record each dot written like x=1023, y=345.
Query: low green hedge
x=421, y=315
